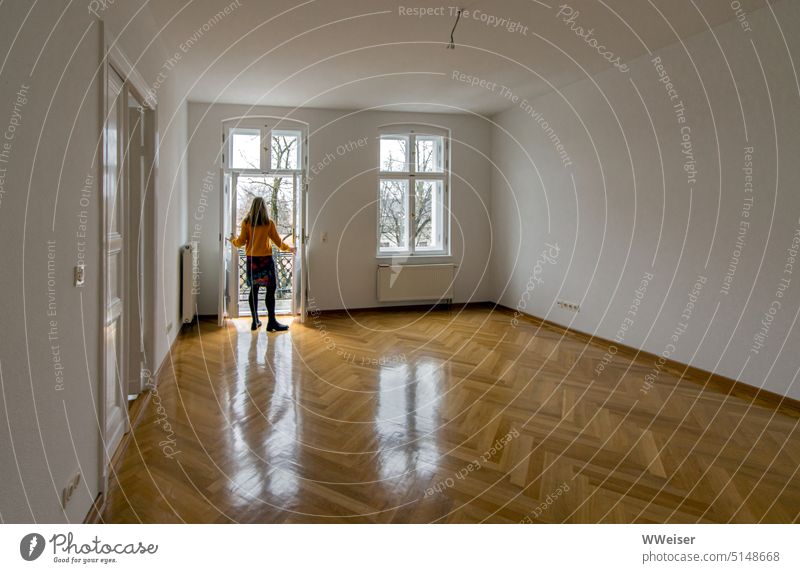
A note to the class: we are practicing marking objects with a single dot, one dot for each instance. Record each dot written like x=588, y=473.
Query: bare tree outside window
x=277, y=190
x=394, y=221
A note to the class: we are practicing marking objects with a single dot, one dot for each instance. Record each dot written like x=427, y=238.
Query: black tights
x=269, y=299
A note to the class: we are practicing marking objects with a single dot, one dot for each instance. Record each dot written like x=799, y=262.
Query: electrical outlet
x=69, y=489
x=566, y=305
x=80, y=275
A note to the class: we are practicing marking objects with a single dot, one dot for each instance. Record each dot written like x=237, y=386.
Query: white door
x=228, y=304
x=115, y=395
x=134, y=161
x=300, y=273
x=232, y=274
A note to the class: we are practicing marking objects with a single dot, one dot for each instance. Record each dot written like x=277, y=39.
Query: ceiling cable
x=452, y=44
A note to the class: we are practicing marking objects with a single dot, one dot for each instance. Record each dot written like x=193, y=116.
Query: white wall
x=53, y=431
x=50, y=384
x=609, y=227
x=342, y=199
x=171, y=208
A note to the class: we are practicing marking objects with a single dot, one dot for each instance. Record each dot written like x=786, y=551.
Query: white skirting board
x=406, y=283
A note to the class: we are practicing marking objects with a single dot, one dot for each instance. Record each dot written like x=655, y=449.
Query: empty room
x=357, y=262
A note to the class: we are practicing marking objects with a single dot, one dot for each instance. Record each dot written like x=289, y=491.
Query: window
x=394, y=215
x=285, y=150
x=253, y=149
x=276, y=190
x=394, y=153
x=245, y=149
x=412, y=194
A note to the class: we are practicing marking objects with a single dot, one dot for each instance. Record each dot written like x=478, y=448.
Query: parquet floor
x=449, y=416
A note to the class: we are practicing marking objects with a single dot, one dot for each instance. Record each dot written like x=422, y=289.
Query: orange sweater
x=258, y=240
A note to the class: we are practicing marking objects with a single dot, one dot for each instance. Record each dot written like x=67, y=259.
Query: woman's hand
x=231, y=238
x=293, y=250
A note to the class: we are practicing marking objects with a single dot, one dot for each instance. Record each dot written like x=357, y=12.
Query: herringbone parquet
x=449, y=416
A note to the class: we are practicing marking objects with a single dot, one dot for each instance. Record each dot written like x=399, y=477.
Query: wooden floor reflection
x=449, y=416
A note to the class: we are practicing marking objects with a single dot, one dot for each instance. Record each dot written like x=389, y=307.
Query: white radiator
x=188, y=290
x=404, y=283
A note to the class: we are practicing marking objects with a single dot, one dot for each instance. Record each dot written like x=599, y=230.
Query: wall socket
x=573, y=306
x=80, y=275
x=66, y=493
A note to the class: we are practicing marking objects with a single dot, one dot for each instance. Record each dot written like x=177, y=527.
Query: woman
x=257, y=235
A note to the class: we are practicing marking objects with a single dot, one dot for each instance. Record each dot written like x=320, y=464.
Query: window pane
x=393, y=220
x=277, y=192
x=285, y=150
x=280, y=202
x=428, y=216
x=246, y=149
x=430, y=154
x=394, y=153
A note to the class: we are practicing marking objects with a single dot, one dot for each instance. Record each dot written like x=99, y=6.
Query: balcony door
x=262, y=160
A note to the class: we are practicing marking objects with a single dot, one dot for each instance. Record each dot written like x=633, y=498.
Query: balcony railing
x=284, y=263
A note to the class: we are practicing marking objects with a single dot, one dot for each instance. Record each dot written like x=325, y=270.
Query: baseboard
x=456, y=306
x=783, y=404
x=136, y=410
x=96, y=511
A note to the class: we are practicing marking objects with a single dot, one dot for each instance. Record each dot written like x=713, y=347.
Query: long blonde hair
x=257, y=215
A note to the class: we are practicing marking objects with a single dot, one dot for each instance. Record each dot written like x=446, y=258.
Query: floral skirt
x=260, y=271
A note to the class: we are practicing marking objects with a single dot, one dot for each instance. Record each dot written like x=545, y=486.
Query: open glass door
x=228, y=291
x=260, y=160
x=299, y=290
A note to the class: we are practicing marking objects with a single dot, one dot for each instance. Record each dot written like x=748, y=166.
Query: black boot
x=252, y=301
x=276, y=327
x=272, y=324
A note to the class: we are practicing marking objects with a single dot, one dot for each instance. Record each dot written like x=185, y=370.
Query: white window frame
x=265, y=155
x=268, y=155
x=411, y=132
x=228, y=153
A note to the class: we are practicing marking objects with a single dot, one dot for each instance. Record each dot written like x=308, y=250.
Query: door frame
x=112, y=57
x=229, y=308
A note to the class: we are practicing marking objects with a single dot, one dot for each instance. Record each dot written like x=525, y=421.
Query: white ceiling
x=354, y=54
